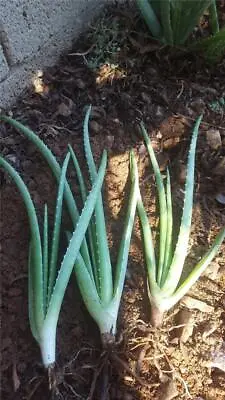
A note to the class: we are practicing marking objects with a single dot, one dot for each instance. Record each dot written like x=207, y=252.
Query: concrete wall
x=33, y=33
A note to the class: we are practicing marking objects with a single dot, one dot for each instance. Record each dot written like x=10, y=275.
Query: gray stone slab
x=34, y=33
x=32, y=24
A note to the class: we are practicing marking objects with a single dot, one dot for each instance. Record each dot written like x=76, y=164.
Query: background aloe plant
x=164, y=286
x=172, y=22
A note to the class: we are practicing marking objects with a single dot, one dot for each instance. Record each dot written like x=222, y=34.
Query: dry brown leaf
x=192, y=303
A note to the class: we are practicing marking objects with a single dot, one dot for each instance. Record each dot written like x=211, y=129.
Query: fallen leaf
x=192, y=303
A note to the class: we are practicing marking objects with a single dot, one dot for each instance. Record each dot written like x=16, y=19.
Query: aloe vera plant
x=100, y=286
x=172, y=21
x=47, y=283
x=165, y=288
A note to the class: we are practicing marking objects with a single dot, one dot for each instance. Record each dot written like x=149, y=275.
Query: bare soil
x=127, y=78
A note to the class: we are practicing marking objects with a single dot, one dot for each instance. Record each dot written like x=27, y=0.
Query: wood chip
x=185, y=317
x=192, y=303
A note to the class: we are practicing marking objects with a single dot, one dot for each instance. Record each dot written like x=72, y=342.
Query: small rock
x=198, y=105
x=80, y=84
x=109, y=141
x=220, y=197
x=12, y=159
x=160, y=111
x=142, y=150
x=220, y=167
x=213, y=139
x=94, y=126
x=65, y=109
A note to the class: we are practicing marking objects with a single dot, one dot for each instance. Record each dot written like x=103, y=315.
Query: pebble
x=160, y=111
x=80, y=84
x=220, y=197
x=214, y=139
x=11, y=158
x=142, y=150
x=64, y=109
x=109, y=141
x=94, y=126
x=198, y=105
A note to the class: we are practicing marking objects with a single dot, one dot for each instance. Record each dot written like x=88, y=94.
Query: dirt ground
x=127, y=78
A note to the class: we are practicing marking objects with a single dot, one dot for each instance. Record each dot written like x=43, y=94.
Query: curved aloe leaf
x=56, y=170
x=150, y=17
x=162, y=204
x=104, y=262
x=36, y=277
x=181, y=250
